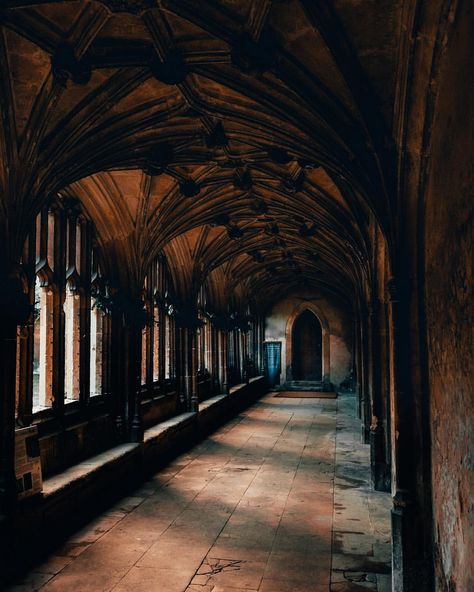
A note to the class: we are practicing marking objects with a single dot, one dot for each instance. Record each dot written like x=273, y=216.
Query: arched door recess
x=315, y=310
x=307, y=350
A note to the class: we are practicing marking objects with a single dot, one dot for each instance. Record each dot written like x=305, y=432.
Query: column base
x=410, y=573
x=137, y=432
x=194, y=404
x=119, y=429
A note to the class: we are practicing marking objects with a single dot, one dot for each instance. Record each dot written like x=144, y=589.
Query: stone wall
x=335, y=320
x=449, y=281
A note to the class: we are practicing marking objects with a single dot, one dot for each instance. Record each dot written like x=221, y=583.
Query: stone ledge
x=208, y=403
x=170, y=425
x=86, y=469
x=237, y=387
x=74, y=496
x=83, y=470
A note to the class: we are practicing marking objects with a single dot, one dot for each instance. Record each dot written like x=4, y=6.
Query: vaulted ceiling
x=248, y=140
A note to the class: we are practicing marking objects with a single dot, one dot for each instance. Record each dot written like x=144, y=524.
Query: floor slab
x=276, y=500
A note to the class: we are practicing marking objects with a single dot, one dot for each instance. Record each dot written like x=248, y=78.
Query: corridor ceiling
x=249, y=140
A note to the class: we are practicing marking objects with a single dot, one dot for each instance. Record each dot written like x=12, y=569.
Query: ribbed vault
x=248, y=141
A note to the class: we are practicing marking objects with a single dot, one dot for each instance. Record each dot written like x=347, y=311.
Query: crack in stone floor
x=277, y=500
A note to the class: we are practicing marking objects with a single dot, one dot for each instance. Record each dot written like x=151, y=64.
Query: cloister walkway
x=277, y=500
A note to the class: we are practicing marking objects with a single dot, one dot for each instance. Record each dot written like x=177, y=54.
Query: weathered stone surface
x=250, y=508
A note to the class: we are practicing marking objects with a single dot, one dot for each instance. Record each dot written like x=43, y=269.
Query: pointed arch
x=325, y=339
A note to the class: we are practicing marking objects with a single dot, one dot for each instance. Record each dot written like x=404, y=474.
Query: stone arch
x=297, y=311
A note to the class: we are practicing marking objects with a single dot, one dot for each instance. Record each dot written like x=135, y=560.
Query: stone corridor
x=277, y=500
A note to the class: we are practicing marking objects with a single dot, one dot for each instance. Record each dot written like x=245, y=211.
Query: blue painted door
x=273, y=362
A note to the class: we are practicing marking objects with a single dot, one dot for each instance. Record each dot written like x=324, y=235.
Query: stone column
x=127, y=318
x=365, y=410
x=223, y=361
x=214, y=359
x=180, y=351
x=15, y=310
x=379, y=469
x=117, y=375
x=410, y=525
x=135, y=396
x=245, y=373
x=193, y=368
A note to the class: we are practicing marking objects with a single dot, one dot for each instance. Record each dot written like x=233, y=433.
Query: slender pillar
x=180, y=350
x=185, y=368
x=135, y=397
x=245, y=368
x=223, y=362
x=117, y=375
x=193, y=367
x=379, y=470
x=410, y=545
x=365, y=401
x=214, y=360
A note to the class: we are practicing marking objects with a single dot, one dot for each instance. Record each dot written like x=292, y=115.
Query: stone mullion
x=106, y=355
x=236, y=346
x=14, y=311
x=85, y=314
x=149, y=331
x=260, y=345
x=242, y=355
x=26, y=342
x=215, y=359
x=59, y=295
x=225, y=362
x=116, y=372
x=255, y=346
x=185, y=368
x=174, y=351
x=134, y=338
x=179, y=366
x=128, y=356
x=207, y=346
x=150, y=342
x=258, y=341
x=154, y=330
x=161, y=349
x=245, y=376
x=193, y=368
x=8, y=345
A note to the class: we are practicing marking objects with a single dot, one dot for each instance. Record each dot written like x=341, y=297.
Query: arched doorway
x=307, y=348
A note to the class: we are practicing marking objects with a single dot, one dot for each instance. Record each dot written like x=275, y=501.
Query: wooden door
x=307, y=348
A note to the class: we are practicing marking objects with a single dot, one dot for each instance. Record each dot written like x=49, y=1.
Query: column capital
x=187, y=317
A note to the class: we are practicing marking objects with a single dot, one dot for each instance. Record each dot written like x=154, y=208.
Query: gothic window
x=60, y=354
x=158, y=334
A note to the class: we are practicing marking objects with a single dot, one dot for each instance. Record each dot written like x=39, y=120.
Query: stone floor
x=277, y=500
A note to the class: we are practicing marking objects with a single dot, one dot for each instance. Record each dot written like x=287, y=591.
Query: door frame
x=325, y=336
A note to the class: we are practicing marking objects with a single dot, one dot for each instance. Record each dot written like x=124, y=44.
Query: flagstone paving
x=277, y=500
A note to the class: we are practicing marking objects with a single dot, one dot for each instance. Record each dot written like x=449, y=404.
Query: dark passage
x=307, y=347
